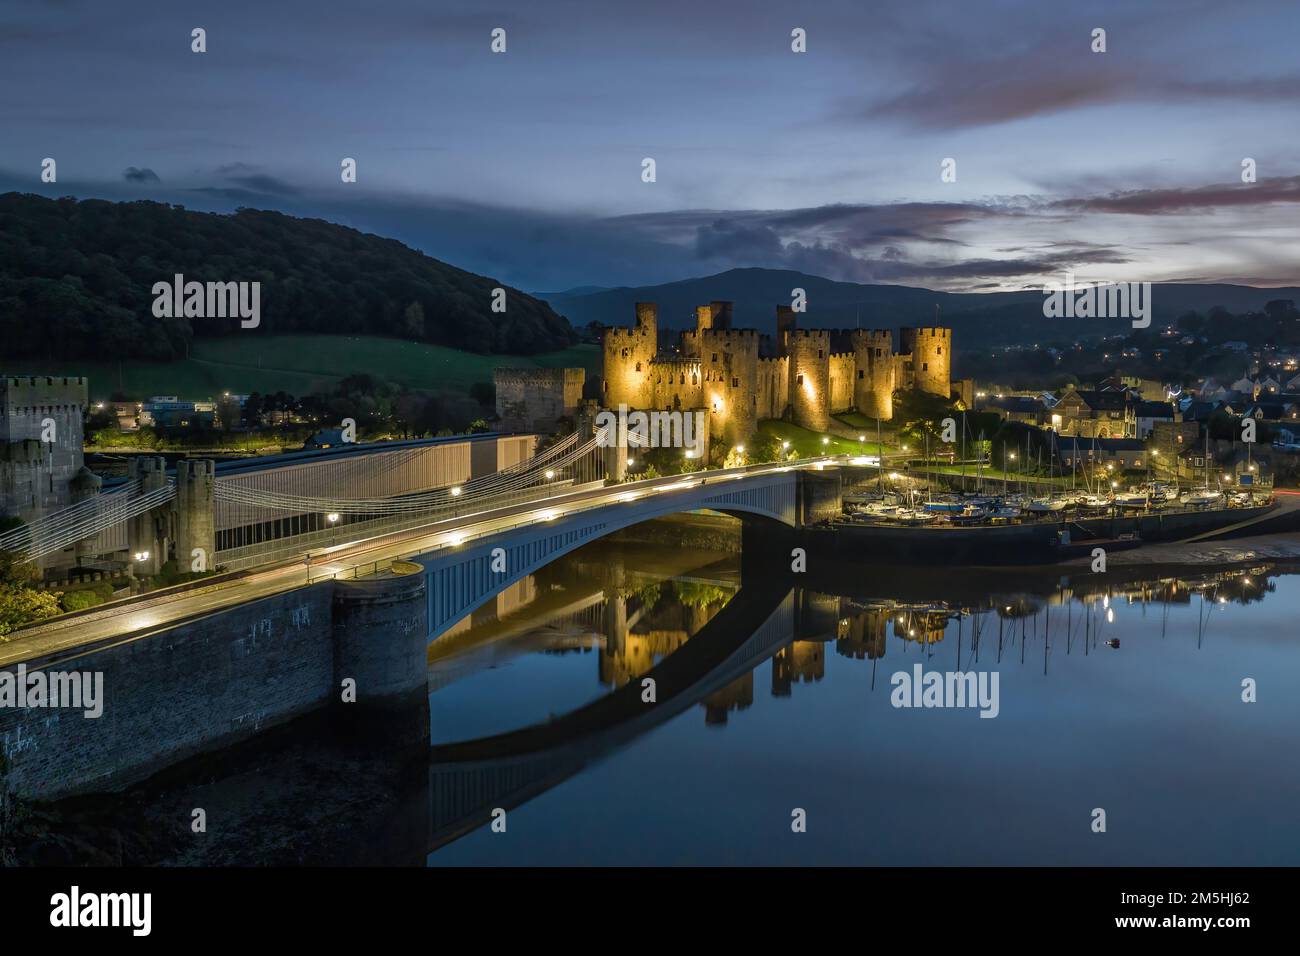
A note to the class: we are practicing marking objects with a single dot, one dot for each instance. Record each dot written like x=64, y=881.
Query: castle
x=40, y=442
x=739, y=377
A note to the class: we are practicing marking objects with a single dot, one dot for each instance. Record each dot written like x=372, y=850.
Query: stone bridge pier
x=147, y=535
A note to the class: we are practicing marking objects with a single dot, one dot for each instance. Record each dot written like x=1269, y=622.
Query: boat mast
x=880, y=456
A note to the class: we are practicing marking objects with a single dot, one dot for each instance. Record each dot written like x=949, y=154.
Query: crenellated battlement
x=743, y=375
x=626, y=332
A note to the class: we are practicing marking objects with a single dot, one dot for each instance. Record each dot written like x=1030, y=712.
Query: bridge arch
x=459, y=579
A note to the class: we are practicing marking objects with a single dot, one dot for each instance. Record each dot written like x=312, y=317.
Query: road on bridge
x=134, y=618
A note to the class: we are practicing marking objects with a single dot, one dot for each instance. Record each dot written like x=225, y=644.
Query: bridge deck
x=61, y=639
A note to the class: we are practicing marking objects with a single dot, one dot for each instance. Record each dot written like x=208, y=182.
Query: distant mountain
x=575, y=291
x=76, y=281
x=978, y=319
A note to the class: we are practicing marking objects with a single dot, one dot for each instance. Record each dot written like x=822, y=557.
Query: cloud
x=133, y=174
x=1155, y=202
x=262, y=184
x=1223, y=230
x=960, y=92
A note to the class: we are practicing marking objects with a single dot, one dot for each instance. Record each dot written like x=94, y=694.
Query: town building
x=1095, y=414
x=1117, y=454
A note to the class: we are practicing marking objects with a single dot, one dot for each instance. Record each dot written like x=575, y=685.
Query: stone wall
x=211, y=682
x=35, y=478
x=535, y=399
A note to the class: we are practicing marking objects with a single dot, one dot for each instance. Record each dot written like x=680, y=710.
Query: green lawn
x=809, y=443
x=297, y=364
x=857, y=420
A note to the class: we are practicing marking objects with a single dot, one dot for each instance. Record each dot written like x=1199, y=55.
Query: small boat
x=1158, y=491
x=1095, y=501
x=944, y=507
x=1201, y=497
x=1132, y=499
x=1045, y=505
x=910, y=517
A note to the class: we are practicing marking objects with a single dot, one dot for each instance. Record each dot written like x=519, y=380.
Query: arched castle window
x=695, y=378
x=735, y=382
x=925, y=366
x=821, y=354
x=715, y=356
x=638, y=366
x=938, y=350
x=799, y=380
x=860, y=373
x=625, y=353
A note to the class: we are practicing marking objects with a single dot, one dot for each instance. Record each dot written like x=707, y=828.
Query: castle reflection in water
x=632, y=609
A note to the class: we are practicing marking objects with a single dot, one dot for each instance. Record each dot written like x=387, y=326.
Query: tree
x=413, y=320
x=21, y=605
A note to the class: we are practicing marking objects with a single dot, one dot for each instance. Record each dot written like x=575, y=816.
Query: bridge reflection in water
x=624, y=610
x=720, y=632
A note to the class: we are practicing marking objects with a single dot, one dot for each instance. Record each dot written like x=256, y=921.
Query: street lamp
x=142, y=556
x=455, y=492
x=332, y=517
x=549, y=474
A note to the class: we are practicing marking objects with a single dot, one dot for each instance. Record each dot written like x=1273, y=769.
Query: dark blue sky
x=527, y=165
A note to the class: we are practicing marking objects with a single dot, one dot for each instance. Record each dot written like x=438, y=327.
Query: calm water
x=772, y=698
x=1153, y=731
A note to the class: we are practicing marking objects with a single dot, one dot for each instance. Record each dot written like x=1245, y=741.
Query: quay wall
x=213, y=681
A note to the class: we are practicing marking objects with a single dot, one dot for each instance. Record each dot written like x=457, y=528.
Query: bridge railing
x=627, y=491
x=251, y=555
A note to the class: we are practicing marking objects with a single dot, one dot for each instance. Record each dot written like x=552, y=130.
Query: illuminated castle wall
x=740, y=377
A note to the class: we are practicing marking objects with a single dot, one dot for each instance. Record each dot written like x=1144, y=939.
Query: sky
x=527, y=165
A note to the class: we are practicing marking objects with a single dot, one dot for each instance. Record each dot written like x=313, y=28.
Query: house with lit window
x=1096, y=414
x=1114, y=454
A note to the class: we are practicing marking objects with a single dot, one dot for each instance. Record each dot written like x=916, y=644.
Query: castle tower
x=196, y=534
x=873, y=377
x=40, y=441
x=931, y=351
x=810, y=377
x=146, y=533
x=785, y=326
x=85, y=485
x=729, y=362
x=628, y=354
x=721, y=311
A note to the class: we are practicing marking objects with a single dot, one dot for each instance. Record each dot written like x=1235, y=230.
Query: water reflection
x=650, y=703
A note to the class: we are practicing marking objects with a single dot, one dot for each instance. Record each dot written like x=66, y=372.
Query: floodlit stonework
x=740, y=377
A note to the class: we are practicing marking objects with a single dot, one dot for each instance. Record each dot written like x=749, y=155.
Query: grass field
x=297, y=364
x=809, y=443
